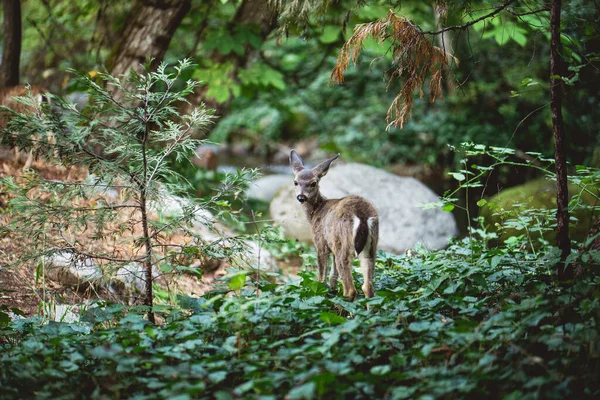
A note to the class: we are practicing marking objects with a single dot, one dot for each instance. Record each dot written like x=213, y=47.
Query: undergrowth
x=466, y=322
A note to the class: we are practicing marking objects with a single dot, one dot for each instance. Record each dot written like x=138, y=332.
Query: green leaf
x=403, y=392
x=217, y=376
x=448, y=207
x=518, y=35
x=331, y=318
x=501, y=36
x=238, y=281
x=458, y=176
x=305, y=391
x=481, y=203
x=419, y=326
x=381, y=370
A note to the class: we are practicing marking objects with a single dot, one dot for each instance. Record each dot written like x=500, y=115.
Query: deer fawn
x=346, y=227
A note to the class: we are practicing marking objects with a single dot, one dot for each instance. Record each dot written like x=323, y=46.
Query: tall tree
x=560, y=151
x=147, y=33
x=11, y=51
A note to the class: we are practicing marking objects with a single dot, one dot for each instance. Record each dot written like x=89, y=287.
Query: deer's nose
x=301, y=198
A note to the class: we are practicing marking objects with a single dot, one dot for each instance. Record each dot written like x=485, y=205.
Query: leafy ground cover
x=465, y=322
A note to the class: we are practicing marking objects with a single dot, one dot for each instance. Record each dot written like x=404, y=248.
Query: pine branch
x=416, y=58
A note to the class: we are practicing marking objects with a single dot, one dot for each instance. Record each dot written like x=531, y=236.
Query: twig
x=516, y=14
x=470, y=23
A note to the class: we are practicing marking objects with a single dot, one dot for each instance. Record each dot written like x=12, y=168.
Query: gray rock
x=402, y=222
x=206, y=156
x=69, y=313
x=129, y=282
x=171, y=206
x=255, y=257
x=266, y=187
x=69, y=269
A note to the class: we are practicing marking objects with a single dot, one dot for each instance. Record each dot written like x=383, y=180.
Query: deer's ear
x=296, y=162
x=321, y=169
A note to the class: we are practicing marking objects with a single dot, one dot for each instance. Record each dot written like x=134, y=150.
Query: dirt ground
x=22, y=285
x=18, y=285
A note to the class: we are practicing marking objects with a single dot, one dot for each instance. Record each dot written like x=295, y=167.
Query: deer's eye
x=295, y=183
x=312, y=185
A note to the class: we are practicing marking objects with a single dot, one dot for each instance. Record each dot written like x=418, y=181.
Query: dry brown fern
x=415, y=59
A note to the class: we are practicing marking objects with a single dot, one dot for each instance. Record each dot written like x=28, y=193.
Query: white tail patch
x=367, y=248
x=355, y=226
x=370, y=222
x=356, y=221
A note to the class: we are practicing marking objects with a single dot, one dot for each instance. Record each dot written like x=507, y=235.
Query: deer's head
x=307, y=180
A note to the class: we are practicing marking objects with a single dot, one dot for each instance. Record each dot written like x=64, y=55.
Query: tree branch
x=516, y=14
x=470, y=23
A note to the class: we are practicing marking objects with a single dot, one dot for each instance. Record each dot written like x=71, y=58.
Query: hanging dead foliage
x=415, y=58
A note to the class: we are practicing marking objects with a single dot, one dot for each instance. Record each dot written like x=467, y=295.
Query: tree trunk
x=562, y=192
x=148, y=32
x=11, y=51
x=148, y=294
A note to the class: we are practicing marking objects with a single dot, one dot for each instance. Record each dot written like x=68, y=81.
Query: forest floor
x=18, y=286
x=22, y=285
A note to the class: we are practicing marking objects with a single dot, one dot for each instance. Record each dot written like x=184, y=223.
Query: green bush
x=461, y=323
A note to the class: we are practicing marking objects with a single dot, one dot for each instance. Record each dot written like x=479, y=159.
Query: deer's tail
x=364, y=231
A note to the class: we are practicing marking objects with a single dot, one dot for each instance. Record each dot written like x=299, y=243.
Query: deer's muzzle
x=301, y=198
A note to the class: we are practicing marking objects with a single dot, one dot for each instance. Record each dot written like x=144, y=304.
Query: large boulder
x=402, y=222
x=266, y=187
x=537, y=194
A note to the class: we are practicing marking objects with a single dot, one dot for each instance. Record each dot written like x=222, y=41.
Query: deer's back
x=346, y=208
x=337, y=222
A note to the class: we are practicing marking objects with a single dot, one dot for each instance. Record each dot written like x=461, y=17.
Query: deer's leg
x=323, y=263
x=333, y=276
x=367, y=266
x=367, y=258
x=343, y=263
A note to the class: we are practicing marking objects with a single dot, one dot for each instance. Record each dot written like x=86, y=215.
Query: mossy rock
x=539, y=194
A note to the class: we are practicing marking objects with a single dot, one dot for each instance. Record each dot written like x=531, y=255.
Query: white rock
x=266, y=187
x=66, y=313
x=129, y=281
x=169, y=205
x=69, y=313
x=69, y=269
x=402, y=222
x=255, y=258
